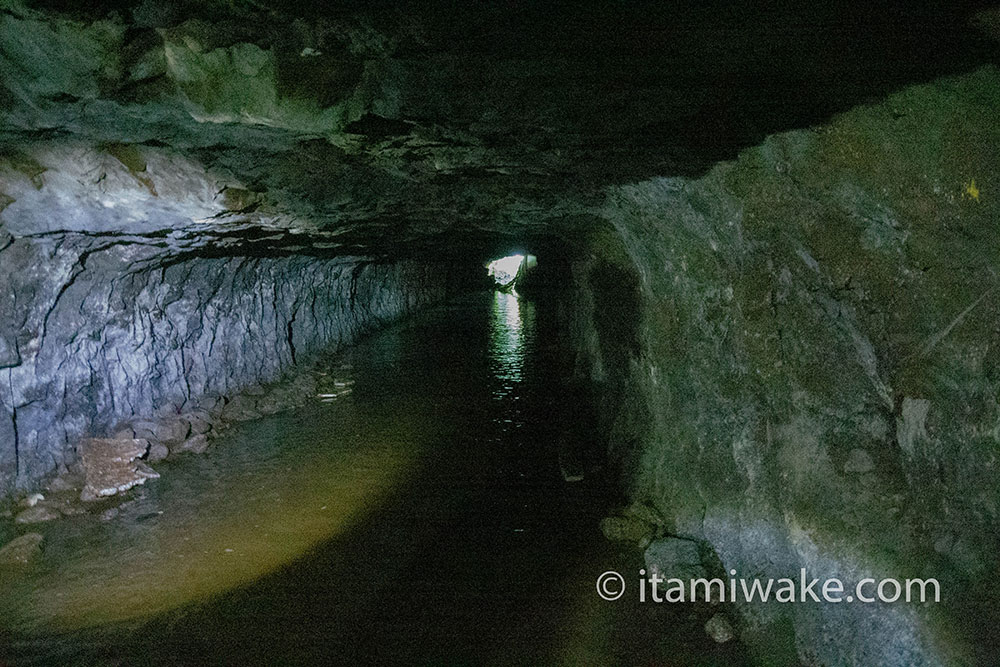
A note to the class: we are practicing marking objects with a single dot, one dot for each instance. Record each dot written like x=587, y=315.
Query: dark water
x=422, y=519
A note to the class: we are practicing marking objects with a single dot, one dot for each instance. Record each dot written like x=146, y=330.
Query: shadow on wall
x=604, y=313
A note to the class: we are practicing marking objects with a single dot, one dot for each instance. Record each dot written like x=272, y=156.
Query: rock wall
x=818, y=359
x=96, y=329
x=601, y=313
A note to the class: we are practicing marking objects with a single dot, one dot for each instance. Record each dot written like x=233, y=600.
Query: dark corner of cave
x=509, y=333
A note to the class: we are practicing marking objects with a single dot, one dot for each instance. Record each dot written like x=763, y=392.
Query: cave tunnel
x=266, y=397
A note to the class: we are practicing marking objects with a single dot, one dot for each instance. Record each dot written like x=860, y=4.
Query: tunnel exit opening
x=506, y=271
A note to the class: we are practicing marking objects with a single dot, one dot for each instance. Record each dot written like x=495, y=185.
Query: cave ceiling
x=386, y=128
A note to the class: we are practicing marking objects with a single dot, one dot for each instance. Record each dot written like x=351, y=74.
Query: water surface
x=422, y=519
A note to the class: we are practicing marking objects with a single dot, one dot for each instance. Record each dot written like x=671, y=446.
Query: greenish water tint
x=421, y=519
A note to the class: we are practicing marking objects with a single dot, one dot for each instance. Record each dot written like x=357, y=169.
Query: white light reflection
x=505, y=269
x=510, y=333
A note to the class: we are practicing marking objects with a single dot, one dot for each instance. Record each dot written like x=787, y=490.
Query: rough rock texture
x=348, y=124
x=673, y=558
x=109, y=330
x=21, y=550
x=157, y=452
x=719, y=629
x=195, y=196
x=817, y=359
x=626, y=529
x=111, y=466
x=37, y=514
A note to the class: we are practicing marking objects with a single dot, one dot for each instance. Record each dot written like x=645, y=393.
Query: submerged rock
x=72, y=509
x=241, y=408
x=37, y=514
x=197, y=445
x=273, y=402
x=61, y=483
x=21, y=550
x=719, y=629
x=111, y=466
x=200, y=423
x=859, y=460
x=626, y=529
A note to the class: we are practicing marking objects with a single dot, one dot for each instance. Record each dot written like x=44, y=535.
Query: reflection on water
x=420, y=520
x=265, y=495
x=512, y=331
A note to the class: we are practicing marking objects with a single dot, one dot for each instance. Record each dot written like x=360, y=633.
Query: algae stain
x=971, y=190
x=130, y=157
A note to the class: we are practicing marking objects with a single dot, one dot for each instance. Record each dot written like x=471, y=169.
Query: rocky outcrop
x=673, y=558
x=817, y=362
x=120, y=329
x=111, y=466
x=135, y=293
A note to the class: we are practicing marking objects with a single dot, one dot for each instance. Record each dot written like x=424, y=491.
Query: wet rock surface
x=112, y=466
x=21, y=550
x=719, y=629
x=37, y=514
x=626, y=529
x=674, y=558
x=196, y=445
x=157, y=452
x=93, y=358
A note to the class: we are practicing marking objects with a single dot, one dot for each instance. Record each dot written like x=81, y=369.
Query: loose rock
x=31, y=500
x=37, y=514
x=59, y=484
x=157, y=452
x=168, y=431
x=125, y=433
x=626, y=529
x=197, y=445
x=241, y=408
x=272, y=402
x=200, y=423
x=21, y=550
x=72, y=510
x=719, y=629
x=111, y=466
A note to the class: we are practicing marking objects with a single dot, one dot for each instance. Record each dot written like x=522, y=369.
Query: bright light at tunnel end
x=504, y=270
x=507, y=269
